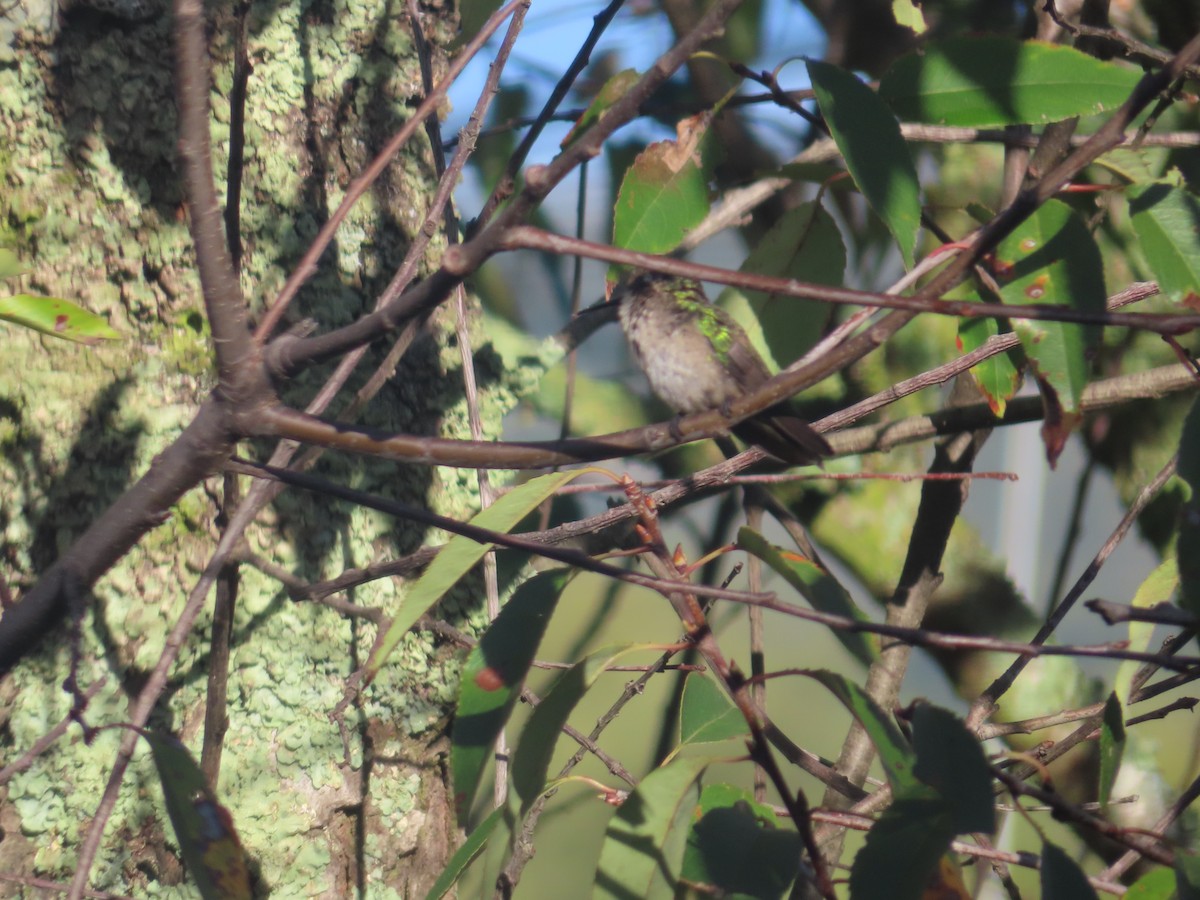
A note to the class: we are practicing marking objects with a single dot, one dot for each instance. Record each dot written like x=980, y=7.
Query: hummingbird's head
x=642, y=288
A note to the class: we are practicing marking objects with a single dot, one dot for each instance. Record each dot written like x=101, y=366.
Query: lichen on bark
x=92, y=202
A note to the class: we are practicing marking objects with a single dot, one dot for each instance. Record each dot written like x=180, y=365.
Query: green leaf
x=804, y=244
x=817, y=586
x=664, y=194
x=643, y=849
x=868, y=136
x=203, y=827
x=493, y=675
x=532, y=758
x=908, y=14
x=942, y=787
x=902, y=850
x=736, y=848
x=997, y=376
x=896, y=755
x=466, y=852
x=612, y=91
x=1187, y=548
x=1112, y=746
x=1061, y=878
x=498, y=850
x=1158, y=884
x=1166, y=220
x=1051, y=259
x=706, y=713
x=988, y=82
x=951, y=761
x=57, y=317
x=1159, y=587
x=457, y=558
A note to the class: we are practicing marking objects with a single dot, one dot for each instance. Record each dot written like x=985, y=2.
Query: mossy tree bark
x=92, y=201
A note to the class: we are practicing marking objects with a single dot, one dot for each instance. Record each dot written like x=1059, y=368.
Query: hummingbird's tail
x=786, y=436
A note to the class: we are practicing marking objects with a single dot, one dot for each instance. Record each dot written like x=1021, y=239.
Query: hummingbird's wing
x=786, y=436
x=778, y=430
x=747, y=367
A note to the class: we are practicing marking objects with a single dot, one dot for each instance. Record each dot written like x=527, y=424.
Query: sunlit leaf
x=896, y=755
x=908, y=14
x=1158, y=587
x=664, y=194
x=57, y=317
x=1167, y=222
x=1112, y=745
x=997, y=376
x=457, y=558
x=706, y=713
x=992, y=81
x=1051, y=259
x=1158, y=884
x=644, y=845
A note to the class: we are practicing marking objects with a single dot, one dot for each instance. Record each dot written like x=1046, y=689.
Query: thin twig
x=42, y=744
x=1132, y=856
x=504, y=186
x=1072, y=813
x=153, y=688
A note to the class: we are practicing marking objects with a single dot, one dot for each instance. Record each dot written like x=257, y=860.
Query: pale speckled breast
x=678, y=363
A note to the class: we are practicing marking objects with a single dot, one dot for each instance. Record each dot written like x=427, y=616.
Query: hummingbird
x=696, y=357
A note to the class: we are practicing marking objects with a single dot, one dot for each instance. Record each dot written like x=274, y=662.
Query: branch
x=237, y=370
x=526, y=237
x=424, y=516
x=1096, y=396
x=192, y=457
x=504, y=184
x=1072, y=813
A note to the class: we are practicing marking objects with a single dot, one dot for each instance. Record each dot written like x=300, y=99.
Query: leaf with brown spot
x=493, y=676
x=58, y=317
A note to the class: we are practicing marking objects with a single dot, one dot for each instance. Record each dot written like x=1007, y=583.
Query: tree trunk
x=92, y=202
